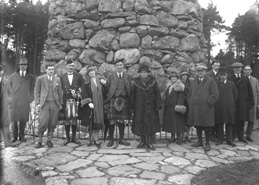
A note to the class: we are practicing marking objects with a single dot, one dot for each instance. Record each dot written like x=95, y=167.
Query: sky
x=228, y=10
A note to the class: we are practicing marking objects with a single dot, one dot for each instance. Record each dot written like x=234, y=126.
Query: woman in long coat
x=174, y=122
x=92, y=105
x=146, y=102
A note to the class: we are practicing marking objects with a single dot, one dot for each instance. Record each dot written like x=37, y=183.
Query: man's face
x=237, y=70
x=23, y=67
x=223, y=76
x=216, y=66
x=50, y=70
x=201, y=73
x=119, y=67
x=70, y=67
x=247, y=71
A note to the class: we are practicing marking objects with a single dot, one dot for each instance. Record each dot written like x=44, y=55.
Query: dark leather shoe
x=90, y=143
x=110, y=143
x=49, y=144
x=219, y=143
x=123, y=142
x=172, y=140
x=243, y=140
x=23, y=139
x=151, y=147
x=231, y=144
x=207, y=147
x=14, y=140
x=249, y=139
x=198, y=144
x=141, y=144
x=39, y=145
x=188, y=139
x=66, y=141
x=98, y=144
x=76, y=141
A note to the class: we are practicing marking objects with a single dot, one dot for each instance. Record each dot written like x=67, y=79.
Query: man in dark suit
x=48, y=102
x=118, y=86
x=245, y=100
x=71, y=84
x=214, y=74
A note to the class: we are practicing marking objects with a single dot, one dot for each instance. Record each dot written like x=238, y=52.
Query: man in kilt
x=118, y=87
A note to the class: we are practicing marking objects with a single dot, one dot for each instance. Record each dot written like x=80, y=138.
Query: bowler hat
x=143, y=67
x=184, y=72
x=23, y=61
x=69, y=61
x=237, y=64
x=201, y=66
x=223, y=70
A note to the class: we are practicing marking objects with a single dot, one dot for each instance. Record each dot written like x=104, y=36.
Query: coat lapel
x=45, y=80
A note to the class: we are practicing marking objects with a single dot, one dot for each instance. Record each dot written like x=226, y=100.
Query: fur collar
x=178, y=86
x=145, y=86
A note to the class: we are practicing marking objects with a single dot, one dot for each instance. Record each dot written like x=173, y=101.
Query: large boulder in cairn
x=158, y=31
x=113, y=23
x=73, y=31
x=133, y=71
x=167, y=42
x=60, y=68
x=91, y=5
x=128, y=5
x=184, y=57
x=131, y=56
x=91, y=56
x=84, y=14
x=181, y=7
x=109, y=6
x=144, y=60
x=153, y=54
x=110, y=56
x=105, y=67
x=189, y=43
x=167, y=19
x=55, y=55
x=146, y=42
x=77, y=43
x=167, y=59
x=73, y=54
x=129, y=40
x=91, y=24
x=142, y=30
x=73, y=7
x=102, y=40
x=148, y=20
x=142, y=6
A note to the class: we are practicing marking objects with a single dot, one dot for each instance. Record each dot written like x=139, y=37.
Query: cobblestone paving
x=169, y=164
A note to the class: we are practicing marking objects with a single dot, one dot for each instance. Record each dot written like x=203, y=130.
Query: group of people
x=153, y=103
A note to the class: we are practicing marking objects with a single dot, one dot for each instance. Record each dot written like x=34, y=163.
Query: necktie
x=120, y=75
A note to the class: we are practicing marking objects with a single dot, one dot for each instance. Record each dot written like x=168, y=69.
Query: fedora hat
x=23, y=61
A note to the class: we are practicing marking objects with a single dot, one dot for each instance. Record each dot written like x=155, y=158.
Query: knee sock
x=67, y=128
x=111, y=130
x=74, y=131
x=121, y=130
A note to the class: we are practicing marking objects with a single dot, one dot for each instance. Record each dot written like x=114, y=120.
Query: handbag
x=180, y=108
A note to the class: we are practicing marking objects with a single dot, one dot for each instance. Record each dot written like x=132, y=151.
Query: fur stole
x=178, y=86
x=145, y=86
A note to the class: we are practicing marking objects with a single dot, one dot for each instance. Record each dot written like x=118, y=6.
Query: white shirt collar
x=215, y=72
x=118, y=74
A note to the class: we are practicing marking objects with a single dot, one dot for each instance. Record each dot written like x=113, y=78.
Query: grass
x=241, y=173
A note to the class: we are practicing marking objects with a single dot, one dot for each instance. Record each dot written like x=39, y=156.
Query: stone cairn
x=141, y=31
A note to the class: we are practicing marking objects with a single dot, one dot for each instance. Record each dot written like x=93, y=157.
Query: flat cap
x=201, y=66
x=237, y=64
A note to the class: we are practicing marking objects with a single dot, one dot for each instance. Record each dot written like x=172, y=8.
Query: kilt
x=113, y=114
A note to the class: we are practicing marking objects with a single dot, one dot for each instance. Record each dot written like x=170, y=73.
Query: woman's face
x=184, y=77
x=173, y=79
x=91, y=74
x=143, y=74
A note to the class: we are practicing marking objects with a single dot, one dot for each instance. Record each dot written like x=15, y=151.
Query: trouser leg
x=15, y=129
x=240, y=130
x=249, y=129
x=44, y=118
x=229, y=133
x=6, y=134
x=22, y=128
x=220, y=127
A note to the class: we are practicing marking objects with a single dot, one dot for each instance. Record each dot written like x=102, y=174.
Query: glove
x=91, y=105
x=103, y=81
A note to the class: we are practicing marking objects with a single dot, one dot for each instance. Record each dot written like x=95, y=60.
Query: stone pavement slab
x=169, y=164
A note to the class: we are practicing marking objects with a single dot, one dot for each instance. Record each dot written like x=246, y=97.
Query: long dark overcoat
x=201, y=99
x=22, y=94
x=5, y=94
x=87, y=113
x=225, y=106
x=245, y=99
x=146, y=102
x=174, y=122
